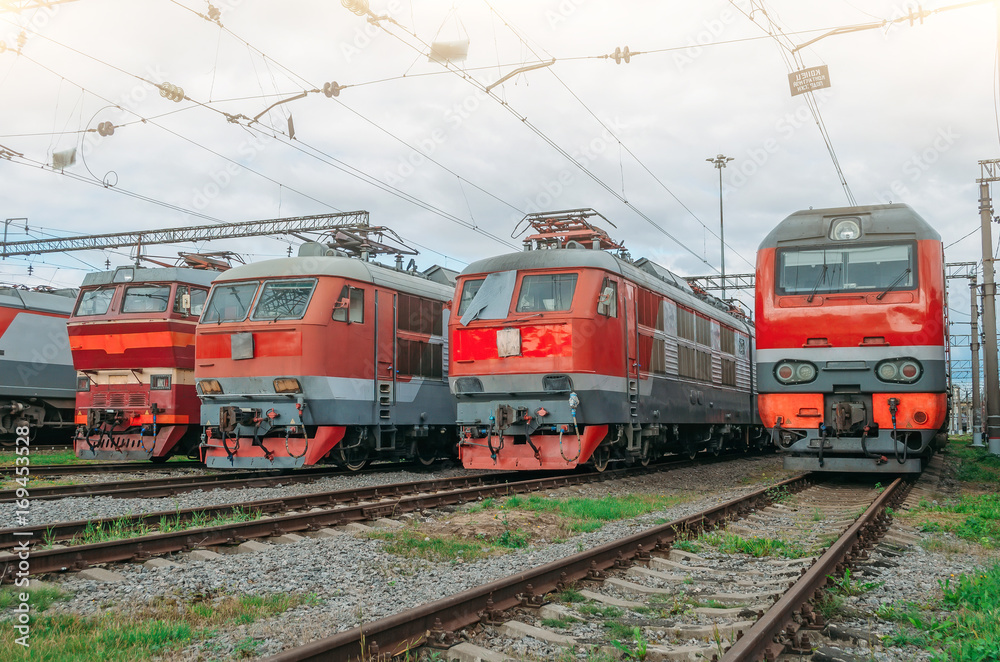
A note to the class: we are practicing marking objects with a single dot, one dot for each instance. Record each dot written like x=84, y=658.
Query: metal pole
x=975, y=416
x=989, y=322
x=720, y=162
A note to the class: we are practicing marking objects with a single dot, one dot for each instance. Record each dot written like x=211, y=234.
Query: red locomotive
x=132, y=339
x=325, y=358
x=36, y=369
x=852, y=340
x=566, y=354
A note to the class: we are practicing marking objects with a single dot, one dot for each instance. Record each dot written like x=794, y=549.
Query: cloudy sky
x=451, y=168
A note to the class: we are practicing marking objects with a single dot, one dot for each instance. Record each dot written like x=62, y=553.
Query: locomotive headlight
x=887, y=371
x=287, y=385
x=845, y=229
x=209, y=387
x=795, y=372
x=899, y=371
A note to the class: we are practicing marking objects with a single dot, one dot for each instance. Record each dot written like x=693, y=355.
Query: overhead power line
x=28, y=5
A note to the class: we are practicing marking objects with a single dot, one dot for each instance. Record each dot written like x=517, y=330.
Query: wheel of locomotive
x=646, y=455
x=601, y=457
x=353, y=458
x=692, y=452
x=425, y=452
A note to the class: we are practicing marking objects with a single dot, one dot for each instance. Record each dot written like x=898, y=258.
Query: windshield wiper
x=819, y=280
x=894, y=283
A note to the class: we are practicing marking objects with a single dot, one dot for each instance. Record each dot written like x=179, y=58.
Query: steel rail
x=433, y=621
x=7, y=472
x=765, y=640
x=161, y=487
x=78, y=557
x=66, y=530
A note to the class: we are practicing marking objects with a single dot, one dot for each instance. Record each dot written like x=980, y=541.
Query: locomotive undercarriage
x=260, y=438
x=848, y=439
x=46, y=416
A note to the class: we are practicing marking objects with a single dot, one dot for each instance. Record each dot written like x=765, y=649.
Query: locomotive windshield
x=95, y=302
x=468, y=294
x=284, y=300
x=546, y=292
x=146, y=299
x=229, y=303
x=846, y=269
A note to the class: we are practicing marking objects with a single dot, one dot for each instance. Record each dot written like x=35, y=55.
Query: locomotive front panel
x=852, y=372
x=132, y=338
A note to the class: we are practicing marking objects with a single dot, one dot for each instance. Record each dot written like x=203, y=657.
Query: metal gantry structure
x=353, y=221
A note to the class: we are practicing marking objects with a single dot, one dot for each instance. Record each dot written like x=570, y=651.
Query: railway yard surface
x=923, y=592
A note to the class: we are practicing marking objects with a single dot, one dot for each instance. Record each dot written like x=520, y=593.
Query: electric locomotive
x=566, y=354
x=36, y=370
x=852, y=339
x=325, y=357
x=132, y=339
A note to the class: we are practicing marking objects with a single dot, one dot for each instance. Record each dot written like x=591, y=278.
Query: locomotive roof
x=643, y=272
x=58, y=301
x=878, y=222
x=341, y=267
x=184, y=275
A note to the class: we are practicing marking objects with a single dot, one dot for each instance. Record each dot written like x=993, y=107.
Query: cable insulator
x=331, y=89
x=359, y=7
x=172, y=92
x=622, y=55
x=214, y=13
x=22, y=39
x=106, y=129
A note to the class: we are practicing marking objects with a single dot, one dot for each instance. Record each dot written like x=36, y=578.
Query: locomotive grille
x=119, y=399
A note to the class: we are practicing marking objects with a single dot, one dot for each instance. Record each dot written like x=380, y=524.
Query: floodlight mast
x=356, y=221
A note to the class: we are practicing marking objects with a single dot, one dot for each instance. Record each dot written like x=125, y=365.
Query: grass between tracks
x=62, y=457
x=123, y=527
x=962, y=622
x=497, y=526
x=963, y=625
x=145, y=630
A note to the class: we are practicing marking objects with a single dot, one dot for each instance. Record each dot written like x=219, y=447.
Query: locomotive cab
x=567, y=354
x=132, y=339
x=852, y=370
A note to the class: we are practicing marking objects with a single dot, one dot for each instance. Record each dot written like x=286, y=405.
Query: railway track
x=750, y=611
x=162, y=487
x=324, y=510
x=110, y=467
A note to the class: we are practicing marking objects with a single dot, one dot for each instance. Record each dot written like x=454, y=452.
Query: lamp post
x=720, y=162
